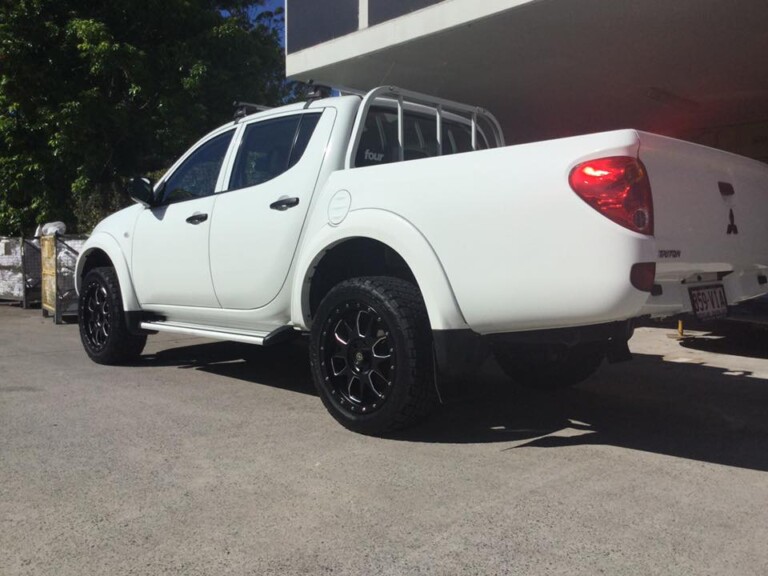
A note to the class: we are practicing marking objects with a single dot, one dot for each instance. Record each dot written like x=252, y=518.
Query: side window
x=197, y=175
x=271, y=147
x=306, y=129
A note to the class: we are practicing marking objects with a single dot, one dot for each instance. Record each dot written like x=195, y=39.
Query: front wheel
x=371, y=355
x=103, y=330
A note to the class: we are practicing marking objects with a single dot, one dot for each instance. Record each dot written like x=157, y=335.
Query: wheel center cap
x=359, y=358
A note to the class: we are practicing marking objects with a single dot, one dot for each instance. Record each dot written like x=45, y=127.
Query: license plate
x=708, y=302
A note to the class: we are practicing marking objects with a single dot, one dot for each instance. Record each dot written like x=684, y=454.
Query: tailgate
x=711, y=221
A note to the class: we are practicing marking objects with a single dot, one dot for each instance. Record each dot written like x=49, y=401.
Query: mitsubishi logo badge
x=732, y=228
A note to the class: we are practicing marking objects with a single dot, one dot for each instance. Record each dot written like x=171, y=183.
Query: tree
x=94, y=91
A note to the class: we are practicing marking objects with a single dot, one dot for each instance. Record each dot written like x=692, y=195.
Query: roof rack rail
x=473, y=114
x=316, y=92
x=347, y=91
x=242, y=109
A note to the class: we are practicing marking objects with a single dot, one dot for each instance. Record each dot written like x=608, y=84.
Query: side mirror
x=140, y=190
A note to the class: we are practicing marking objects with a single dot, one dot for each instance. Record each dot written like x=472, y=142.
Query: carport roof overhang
x=551, y=68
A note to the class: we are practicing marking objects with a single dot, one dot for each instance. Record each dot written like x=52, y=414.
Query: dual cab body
x=557, y=244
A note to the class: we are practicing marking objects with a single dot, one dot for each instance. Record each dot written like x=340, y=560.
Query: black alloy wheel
x=358, y=357
x=371, y=355
x=96, y=316
x=103, y=329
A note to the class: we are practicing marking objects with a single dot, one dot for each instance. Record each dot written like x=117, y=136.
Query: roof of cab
x=312, y=104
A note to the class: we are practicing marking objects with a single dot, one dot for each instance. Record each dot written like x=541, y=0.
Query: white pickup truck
x=400, y=233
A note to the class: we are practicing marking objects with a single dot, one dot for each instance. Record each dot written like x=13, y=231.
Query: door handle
x=197, y=217
x=282, y=204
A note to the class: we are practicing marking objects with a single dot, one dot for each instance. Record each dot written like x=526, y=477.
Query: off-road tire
x=371, y=355
x=103, y=329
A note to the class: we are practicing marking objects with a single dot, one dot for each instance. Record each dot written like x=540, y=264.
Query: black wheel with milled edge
x=371, y=355
x=103, y=329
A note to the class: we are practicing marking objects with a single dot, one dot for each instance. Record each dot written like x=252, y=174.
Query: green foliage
x=94, y=92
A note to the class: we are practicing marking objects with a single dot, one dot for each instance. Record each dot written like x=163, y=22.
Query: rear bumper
x=671, y=296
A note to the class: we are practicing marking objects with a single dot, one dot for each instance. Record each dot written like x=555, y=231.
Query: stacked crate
x=20, y=270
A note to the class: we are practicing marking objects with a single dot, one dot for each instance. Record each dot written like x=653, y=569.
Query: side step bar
x=276, y=336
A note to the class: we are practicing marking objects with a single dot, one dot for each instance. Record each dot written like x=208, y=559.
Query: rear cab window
x=379, y=142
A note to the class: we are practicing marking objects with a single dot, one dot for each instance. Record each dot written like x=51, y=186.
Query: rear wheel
x=371, y=355
x=103, y=329
x=549, y=367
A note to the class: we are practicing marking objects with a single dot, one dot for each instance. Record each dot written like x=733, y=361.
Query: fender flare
x=400, y=235
x=107, y=244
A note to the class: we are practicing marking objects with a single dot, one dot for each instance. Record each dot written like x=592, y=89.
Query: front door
x=170, y=241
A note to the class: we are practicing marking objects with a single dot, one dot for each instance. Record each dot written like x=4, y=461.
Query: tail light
x=617, y=187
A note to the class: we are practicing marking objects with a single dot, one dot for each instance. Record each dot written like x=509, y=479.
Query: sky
x=272, y=4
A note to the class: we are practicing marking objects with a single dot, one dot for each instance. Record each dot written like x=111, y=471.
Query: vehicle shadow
x=680, y=409
x=732, y=339
x=284, y=366
x=721, y=337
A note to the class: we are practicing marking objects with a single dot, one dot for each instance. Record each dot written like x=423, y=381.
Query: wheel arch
x=103, y=250
x=373, y=243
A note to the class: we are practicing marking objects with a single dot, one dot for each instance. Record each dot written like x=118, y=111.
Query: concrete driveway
x=218, y=458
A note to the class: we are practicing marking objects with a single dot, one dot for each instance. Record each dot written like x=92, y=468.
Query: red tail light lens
x=618, y=187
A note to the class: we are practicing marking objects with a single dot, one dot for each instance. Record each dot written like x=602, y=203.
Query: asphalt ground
x=218, y=458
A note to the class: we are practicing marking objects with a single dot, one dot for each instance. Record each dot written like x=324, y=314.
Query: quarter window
x=271, y=147
x=197, y=175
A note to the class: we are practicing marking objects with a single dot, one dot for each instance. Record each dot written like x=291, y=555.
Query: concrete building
x=696, y=69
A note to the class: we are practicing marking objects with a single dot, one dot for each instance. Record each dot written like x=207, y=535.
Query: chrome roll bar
x=440, y=106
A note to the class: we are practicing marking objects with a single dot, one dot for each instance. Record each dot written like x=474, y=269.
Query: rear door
x=260, y=214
